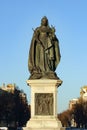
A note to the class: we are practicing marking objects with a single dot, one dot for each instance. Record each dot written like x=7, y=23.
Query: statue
x=44, y=54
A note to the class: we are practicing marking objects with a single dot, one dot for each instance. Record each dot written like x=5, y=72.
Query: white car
x=3, y=128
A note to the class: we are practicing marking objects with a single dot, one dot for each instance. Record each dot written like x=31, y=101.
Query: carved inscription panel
x=44, y=104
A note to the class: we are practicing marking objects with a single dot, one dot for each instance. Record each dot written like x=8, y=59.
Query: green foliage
x=14, y=108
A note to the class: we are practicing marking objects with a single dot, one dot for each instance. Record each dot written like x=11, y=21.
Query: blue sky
x=18, y=17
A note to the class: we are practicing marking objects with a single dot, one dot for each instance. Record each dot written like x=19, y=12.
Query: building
x=83, y=93
x=72, y=103
x=8, y=88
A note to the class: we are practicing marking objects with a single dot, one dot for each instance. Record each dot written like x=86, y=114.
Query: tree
x=65, y=118
x=21, y=109
x=80, y=113
x=14, y=107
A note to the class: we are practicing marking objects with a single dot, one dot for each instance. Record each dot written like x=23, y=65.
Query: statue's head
x=44, y=21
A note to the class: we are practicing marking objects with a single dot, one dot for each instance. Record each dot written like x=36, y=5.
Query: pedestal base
x=44, y=105
x=42, y=124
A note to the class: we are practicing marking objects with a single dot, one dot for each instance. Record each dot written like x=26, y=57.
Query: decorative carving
x=44, y=103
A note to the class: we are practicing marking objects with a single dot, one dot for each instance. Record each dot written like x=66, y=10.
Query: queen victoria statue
x=44, y=53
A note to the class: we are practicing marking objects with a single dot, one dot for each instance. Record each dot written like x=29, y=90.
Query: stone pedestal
x=44, y=105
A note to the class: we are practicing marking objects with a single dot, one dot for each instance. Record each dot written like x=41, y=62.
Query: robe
x=44, y=54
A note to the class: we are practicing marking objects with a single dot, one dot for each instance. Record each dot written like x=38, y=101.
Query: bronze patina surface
x=44, y=54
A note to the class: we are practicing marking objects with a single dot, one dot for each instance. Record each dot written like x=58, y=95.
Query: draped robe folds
x=44, y=54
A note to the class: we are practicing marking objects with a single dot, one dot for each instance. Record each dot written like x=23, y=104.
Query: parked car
x=3, y=128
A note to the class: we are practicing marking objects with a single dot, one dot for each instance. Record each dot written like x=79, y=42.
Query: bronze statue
x=44, y=54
